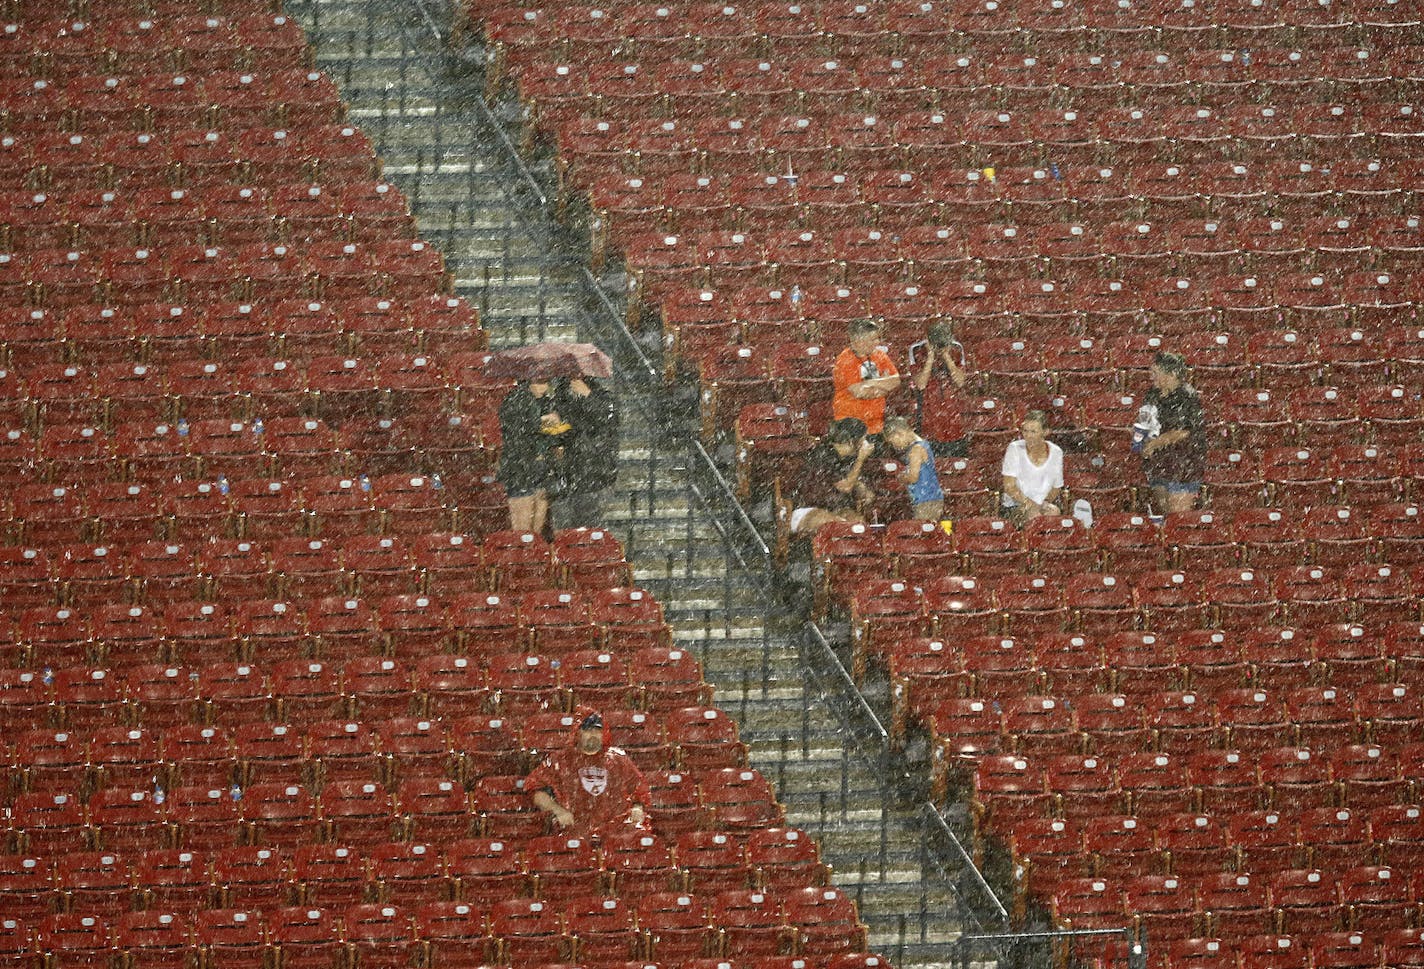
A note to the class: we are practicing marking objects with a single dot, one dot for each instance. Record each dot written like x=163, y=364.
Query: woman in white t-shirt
x=1033, y=472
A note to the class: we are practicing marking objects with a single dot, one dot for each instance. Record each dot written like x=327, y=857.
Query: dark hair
x=861, y=327
x=1039, y=417
x=847, y=430
x=894, y=425
x=941, y=334
x=1172, y=363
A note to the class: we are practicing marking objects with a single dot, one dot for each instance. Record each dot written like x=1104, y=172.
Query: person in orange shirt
x=864, y=376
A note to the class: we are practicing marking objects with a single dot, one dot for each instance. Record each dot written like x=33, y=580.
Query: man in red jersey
x=590, y=788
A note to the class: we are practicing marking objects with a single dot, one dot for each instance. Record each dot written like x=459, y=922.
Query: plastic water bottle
x=435, y=482
x=224, y=486
x=365, y=481
x=257, y=427
x=795, y=297
x=182, y=427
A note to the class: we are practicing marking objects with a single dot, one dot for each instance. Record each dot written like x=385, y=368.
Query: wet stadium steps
x=507, y=255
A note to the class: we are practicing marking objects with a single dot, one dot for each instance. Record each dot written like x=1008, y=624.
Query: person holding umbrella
x=554, y=430
x=529, y=428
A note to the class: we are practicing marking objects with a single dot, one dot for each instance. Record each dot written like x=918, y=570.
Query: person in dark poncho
x=1172, y=429
x=589, y=461
x=829, y=487
x=530, y=427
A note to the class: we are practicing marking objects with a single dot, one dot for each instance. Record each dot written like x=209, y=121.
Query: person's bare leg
x=521, y=513
x=541, y=512
x=816, y=517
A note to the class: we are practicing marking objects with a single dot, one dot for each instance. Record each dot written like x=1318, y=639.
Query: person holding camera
x=938, y=374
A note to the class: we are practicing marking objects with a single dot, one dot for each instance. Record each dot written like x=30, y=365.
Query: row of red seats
x=1266, y=841
x=360, y=810
x=756, y=929
x=147, y=693
x=1337, y=536
x=1024, y=282
x=1340, y=389
x=1162, y=189
x=1378, y=541
x=343, y=763
x=1376, y=661
x=1165, y=909
x=1332, y=467
x=219, y=801
x=1083, y=243
x=1328, y=536
x=343, y=561
x=140, y=161
x=623, y=865
x=750, y=196
x=315, y=622
x=1083, y=133
x=1312, y=382
x=132, y=97
x=538, y=24
x=202, y=405
x=1249, y=719
x=150, y=333
x=196, y=41
x=141, y=275
x=257, y=226
x=348, y=803
x=286, y=505
x=1396, y=947
x=929, y=680
x=1235, y=597
x=1191, y=844
x=400, y=270
x=988, y=303
x=187, y=460
x=465, y=747
x=1046, y=84
x=1152, y=288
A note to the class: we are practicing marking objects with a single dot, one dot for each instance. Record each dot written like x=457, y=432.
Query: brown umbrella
x=592, y=361
x=544, y=360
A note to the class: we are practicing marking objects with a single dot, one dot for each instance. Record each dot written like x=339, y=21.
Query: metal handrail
x=1136, y=949
x=487, y=116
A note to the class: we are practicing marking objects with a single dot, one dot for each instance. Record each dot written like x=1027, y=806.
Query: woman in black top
x=528, y=427
x=1174, y=457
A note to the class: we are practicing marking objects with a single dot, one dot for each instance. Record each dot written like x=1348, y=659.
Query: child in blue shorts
x=919, y=475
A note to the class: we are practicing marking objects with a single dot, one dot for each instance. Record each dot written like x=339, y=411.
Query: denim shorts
x=1176, y=487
